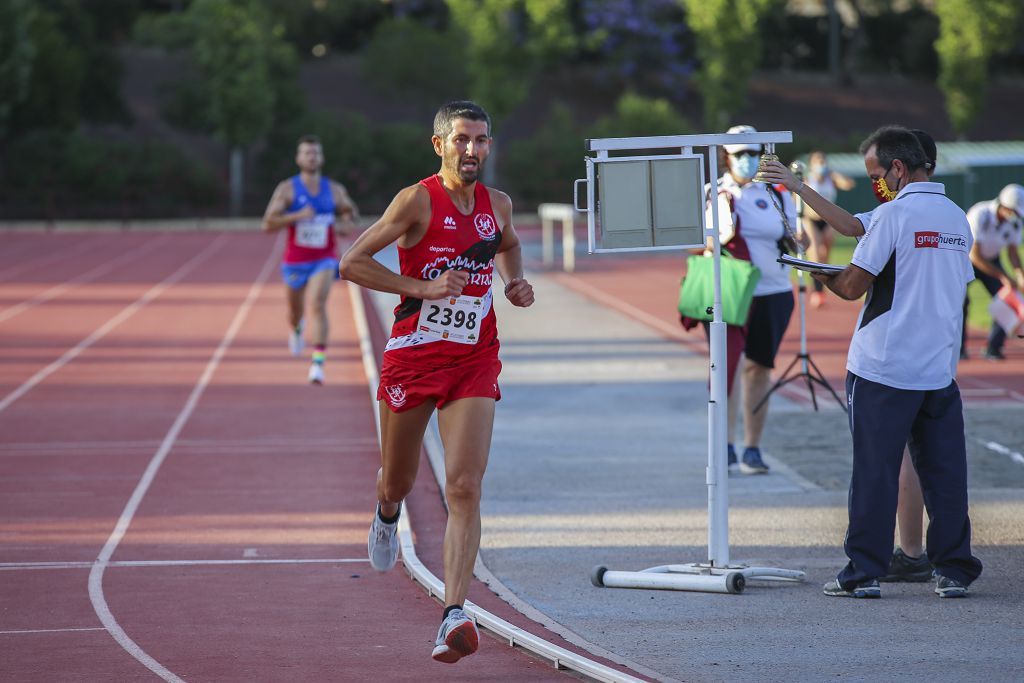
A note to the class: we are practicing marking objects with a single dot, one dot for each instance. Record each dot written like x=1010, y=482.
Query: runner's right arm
x=843, y=221
x=275, y=217
x=405, y=220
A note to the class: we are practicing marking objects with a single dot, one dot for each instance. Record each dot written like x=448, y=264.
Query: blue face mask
x=745, y=166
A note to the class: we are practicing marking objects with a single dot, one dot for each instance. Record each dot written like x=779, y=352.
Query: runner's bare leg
x=466, y=426
x=401, y=436
x=910, y=509
x=320, y=287
x=296, y=306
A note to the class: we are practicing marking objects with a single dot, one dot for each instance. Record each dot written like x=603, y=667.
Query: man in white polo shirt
x=902, y=360
x=996, y=225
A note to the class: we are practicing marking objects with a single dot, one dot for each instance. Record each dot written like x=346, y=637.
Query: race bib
x=312, y=233
x=455, y=318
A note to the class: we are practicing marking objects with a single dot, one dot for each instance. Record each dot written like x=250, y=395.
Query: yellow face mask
x=882, y=191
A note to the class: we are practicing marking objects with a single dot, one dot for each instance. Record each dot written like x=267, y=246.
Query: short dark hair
x=444, y=120
x=308, y=140
x=895, y=142
x=928, y=145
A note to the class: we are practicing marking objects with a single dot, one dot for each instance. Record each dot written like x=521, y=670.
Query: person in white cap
x=996, y=225
x=752, y=229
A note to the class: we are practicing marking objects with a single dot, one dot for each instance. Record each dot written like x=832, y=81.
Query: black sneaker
x=868, y=589
x=903, y=567
x=946, y=587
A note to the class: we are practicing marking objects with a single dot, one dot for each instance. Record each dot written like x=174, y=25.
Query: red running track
x=144, y=380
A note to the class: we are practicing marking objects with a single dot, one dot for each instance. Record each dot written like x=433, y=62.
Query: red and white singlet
x=447, y=331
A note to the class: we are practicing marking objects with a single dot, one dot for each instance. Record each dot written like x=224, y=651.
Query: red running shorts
x=403, y=387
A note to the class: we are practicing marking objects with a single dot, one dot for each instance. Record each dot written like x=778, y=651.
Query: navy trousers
x=882, y=420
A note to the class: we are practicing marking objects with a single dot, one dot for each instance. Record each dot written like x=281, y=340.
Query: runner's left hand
x=519, y=292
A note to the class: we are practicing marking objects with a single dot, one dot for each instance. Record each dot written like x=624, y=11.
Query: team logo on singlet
x=449, y=223
x=485, y=227
x=761, y=204
x=396, y=396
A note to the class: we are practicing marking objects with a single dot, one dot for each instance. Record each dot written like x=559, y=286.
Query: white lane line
x=125, y=313
x=19, y=566
x=85, y=277
x=435, y=587
x=1000, y=448
x=52, y=630
x=96, y=597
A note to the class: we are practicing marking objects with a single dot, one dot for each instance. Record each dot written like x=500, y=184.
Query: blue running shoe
x=752, y=462
x=733, y=465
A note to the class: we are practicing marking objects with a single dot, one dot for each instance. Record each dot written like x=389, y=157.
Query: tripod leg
x=819, y=377
x=781, y=382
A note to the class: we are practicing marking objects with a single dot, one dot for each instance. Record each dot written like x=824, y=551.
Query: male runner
x=451, y=233
x=307, y=204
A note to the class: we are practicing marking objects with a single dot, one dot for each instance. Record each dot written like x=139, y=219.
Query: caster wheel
x=735, y=582
x=597, y=576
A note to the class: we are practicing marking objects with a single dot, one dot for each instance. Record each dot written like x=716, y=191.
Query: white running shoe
x=316, y=374
x=457, y=638
x=382, y=545
x=296, y=342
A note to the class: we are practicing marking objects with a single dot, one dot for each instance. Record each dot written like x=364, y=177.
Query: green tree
x=729, y=49
x=393, y=63
x=17, y=54
x=247, y=74
x=970, y=32
x=507, y=41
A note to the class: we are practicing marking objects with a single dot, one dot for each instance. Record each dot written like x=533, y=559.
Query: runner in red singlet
x=452, y=233
x=307, y=205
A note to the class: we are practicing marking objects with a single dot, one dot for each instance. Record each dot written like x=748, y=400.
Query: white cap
x=752, y=146
x=1012, y=197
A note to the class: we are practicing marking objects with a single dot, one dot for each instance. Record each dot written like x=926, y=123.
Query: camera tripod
x=809, y=371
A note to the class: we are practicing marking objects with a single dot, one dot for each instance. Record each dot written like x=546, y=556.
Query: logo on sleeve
x=485, y=227
x=939, y=240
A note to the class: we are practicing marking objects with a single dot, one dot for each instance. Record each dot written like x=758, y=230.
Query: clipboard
x=810, y=266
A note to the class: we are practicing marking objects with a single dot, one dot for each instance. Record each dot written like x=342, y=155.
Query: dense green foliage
x=235, y=78
x=372, y=161
x=971, y=31
x=542, y=168
x=729, y=49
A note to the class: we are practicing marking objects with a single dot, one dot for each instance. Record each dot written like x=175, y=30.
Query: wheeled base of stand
x=691, y=577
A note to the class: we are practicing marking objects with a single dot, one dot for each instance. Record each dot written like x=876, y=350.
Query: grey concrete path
x=599, y=457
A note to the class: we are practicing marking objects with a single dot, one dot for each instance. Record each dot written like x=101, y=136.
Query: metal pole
x=717, y=478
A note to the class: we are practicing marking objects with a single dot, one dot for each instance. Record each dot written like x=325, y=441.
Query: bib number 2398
x=456, y=319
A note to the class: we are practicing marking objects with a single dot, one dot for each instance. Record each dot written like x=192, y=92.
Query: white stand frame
x=565, y=214
x=718, y=574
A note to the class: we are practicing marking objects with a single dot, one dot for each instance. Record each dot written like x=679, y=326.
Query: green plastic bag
x=697, y=292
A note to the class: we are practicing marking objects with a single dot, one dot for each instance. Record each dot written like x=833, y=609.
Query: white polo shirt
x=908, y=332
x=992, y=234
x=754, y=218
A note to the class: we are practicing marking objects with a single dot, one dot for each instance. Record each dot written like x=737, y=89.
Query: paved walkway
x=599, y=457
